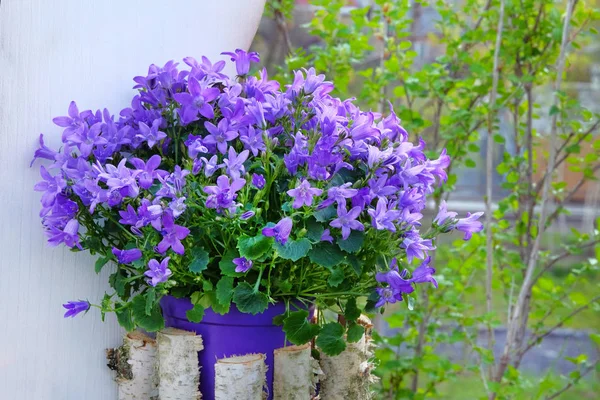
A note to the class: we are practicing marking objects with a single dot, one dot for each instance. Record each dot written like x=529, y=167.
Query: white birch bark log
x=135, y=364
x=296, y=373
x=240, y=377
x=178, y=369
x=348, y=375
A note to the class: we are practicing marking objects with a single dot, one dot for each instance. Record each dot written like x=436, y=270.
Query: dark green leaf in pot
x=150, y=297
x=353, y=243
x=125, y=319
x=326, y=255
x=337, y=276
x=351, y=312
x=355, y=263
x=331, y=339
x=253, y=247
x=195, y=314
x=325, y=214
x=248, y=301
x=355, y=332
x=226, y=264
x=153, y=322
x=293, y=249
x=199, y=260
x=314, y=230
x=225, y=290
x=101, y=262
x=298, y=329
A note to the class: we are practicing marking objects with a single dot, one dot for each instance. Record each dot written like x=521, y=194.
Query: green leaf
x=195, y=314
x=101, y=262
x=199, y=260
x=226, y=264
x=353, y=243
x=355, y=263
x=248, y=301
x=355, y=333
x=331, y=339
x=151, y=323
x=351, y=312
x=253, y=247
x=298, y=329
x=325, y=214
x=337, y=276
x=326, y=255
x=293, y=249
x=224, y=290
x=314, y=230
x=150, y=297
x=125, y=319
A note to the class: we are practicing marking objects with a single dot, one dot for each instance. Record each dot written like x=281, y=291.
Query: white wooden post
x=52, y=52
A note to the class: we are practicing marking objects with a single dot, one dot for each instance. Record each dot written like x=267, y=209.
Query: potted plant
x=242, y=207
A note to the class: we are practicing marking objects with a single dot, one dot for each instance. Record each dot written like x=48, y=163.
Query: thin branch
x=537, y=338
x=516, y=317
x=560, y=257
x=489, y=175
x=586, y=371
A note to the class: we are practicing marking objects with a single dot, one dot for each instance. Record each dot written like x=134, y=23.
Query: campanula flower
x=75, y=307
x=158, y=272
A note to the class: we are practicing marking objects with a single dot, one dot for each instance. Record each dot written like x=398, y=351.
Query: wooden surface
x=52, y=52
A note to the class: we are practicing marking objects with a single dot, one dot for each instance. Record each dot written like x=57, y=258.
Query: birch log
x=135, y=363
x=348, y=375
x=296, y=373
x=240, y=377
x=178, y=369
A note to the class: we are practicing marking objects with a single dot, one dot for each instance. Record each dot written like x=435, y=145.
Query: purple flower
x=73, y=124
x=178, y=206
x=382, y=218
x=52, y=186
x=76, y=307
x=444, y=215
x=147, y=170
x=346, y=221
x=224, y=194
x=247, y=215
x=68, y=235
x=281, y=231
x=326, y=236
x=395, y=279
x=195, y=146
x=469, y=225
x=151, y=134
x=258, y=181
x=416, y=246
x=172, y=235
x=387, y=295
x=158, y=272
x=210, y=166
x=338, y=194
x=219, y=135
x=235, y=162
x=43, y=152
x=253, y=140
x=303, y=194
x=196, y=101
x=127, y=256
x=242, y=60
x=424, y=273
x=242, y=264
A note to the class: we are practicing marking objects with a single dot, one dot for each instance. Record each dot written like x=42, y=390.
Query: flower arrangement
x=235, y=190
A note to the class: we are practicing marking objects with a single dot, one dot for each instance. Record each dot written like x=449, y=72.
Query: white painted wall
x=52, y=52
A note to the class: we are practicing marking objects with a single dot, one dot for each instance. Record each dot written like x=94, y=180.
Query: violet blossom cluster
x=195, y=142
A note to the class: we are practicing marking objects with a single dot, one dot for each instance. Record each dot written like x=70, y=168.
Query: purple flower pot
x=226, y=335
